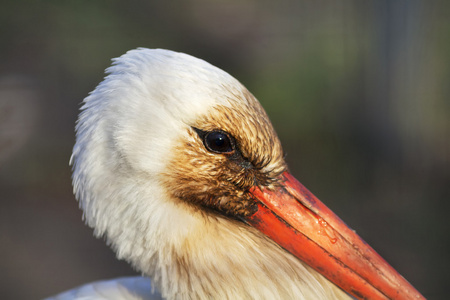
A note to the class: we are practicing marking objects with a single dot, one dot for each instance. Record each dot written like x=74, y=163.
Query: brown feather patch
x=200, y=177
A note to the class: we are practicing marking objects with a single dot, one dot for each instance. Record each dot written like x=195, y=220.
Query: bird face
x=223, y=154
x=172, y=152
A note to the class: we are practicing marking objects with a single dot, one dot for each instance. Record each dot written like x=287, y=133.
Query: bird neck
x=209, y=256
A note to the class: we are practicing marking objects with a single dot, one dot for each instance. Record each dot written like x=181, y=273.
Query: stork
x=178, y=166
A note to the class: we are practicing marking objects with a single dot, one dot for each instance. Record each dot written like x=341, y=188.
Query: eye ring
x=219, y=142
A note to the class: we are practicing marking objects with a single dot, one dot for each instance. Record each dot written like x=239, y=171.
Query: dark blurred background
x=357, y=90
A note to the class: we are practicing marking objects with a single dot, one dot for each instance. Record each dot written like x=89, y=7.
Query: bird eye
x=218, y=142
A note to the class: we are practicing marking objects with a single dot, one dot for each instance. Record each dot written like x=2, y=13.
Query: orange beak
x=295, y=219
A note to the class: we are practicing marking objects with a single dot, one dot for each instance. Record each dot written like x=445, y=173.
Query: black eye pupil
x=218, y=142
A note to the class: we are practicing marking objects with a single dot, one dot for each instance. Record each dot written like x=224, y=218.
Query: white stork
x=177, y=165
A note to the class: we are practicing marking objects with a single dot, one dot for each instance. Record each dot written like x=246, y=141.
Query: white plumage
x=147, y=180
x=132, y=288
x=126, y=134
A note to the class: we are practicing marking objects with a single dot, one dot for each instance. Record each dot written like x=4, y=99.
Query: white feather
x=125, y=288
x=125, y=136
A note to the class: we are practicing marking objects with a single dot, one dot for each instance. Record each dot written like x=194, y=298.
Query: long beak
x=295, y=219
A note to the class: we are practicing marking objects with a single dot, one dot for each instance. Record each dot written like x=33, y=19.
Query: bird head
x=168, y=144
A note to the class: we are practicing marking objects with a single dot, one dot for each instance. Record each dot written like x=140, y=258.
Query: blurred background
x=358, y=91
